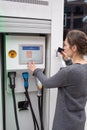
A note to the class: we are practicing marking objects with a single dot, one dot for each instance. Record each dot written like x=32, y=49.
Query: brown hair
x=78, y=38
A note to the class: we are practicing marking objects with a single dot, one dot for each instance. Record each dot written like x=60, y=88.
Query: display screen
x=29, y=53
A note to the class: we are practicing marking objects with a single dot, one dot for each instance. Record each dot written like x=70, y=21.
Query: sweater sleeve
x=57, y=80
x=68, y=62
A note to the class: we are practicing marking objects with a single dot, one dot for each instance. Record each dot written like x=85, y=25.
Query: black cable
x=42, y=103
x=40, y=106
x=32, y=114
x=15, y=110
x=27, y=95
x=34, y=123
x=33, y=120
x=34, y=117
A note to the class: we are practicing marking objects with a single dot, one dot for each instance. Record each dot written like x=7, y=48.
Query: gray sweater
x=71, y=82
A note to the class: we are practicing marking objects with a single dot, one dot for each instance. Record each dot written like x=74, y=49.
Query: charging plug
x=25, y=76
x=11, y=76
x=39, y=86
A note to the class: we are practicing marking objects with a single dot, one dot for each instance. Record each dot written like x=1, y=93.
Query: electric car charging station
x=29, y=30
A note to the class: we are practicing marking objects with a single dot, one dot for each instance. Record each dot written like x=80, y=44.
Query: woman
x=71, y=82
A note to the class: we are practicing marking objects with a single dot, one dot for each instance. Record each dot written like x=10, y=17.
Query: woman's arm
x=55, y=81
x=68, y=62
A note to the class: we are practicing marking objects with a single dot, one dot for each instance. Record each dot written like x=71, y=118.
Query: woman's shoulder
x=73, y=67
x=76, y=68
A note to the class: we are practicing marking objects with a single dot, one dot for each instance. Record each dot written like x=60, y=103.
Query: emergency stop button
x=12, y=53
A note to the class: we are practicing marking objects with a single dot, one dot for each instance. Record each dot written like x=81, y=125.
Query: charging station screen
x=29, y=53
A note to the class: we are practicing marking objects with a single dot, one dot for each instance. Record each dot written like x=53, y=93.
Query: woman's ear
x=74, y=48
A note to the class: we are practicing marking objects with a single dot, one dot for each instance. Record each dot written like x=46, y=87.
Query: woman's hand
x=31, y=66
x=65, y=56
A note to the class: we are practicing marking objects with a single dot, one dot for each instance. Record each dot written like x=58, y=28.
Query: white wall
x=56, y=40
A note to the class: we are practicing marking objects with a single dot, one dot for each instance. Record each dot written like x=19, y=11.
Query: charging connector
x=12, y=76
x=40, y=100
x=39, y=87
x=25, y=77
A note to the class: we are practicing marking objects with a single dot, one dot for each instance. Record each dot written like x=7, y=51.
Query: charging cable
x=40, y=100
x=11, y=76
x=26, y=85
